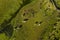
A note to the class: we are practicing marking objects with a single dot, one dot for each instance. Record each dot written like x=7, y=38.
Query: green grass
x=29, y=20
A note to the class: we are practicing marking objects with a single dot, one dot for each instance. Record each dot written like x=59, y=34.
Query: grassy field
x=29, y=20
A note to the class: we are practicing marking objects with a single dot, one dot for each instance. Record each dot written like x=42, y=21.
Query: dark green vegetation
x=29, y=20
